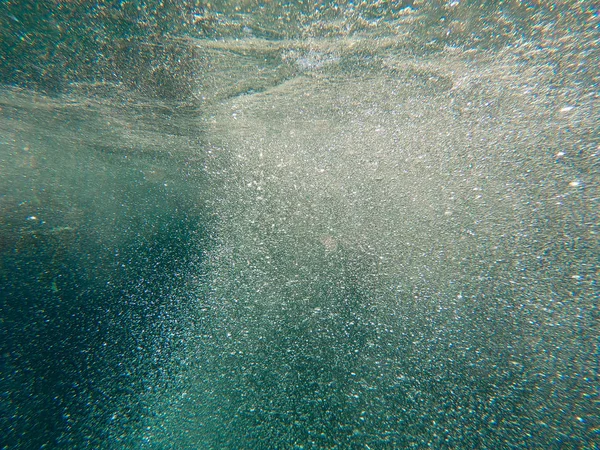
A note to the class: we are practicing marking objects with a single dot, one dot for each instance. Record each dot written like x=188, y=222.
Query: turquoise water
x=298, y=225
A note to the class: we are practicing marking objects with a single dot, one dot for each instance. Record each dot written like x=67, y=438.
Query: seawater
x=360, y=228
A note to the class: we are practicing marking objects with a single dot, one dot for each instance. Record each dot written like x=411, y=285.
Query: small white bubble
x=566, y=108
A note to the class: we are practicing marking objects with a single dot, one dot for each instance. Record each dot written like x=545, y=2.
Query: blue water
x=299, y=225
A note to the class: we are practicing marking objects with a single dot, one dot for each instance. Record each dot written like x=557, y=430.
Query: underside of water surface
x=263, y=225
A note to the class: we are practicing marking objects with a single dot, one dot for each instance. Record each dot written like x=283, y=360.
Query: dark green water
x=299, y=225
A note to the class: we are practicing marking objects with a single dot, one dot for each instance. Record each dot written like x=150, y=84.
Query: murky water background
x=299, y=226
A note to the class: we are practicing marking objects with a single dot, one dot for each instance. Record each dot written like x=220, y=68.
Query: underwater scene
x=299, y=225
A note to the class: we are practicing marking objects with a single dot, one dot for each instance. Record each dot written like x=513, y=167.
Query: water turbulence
x=344, y=240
